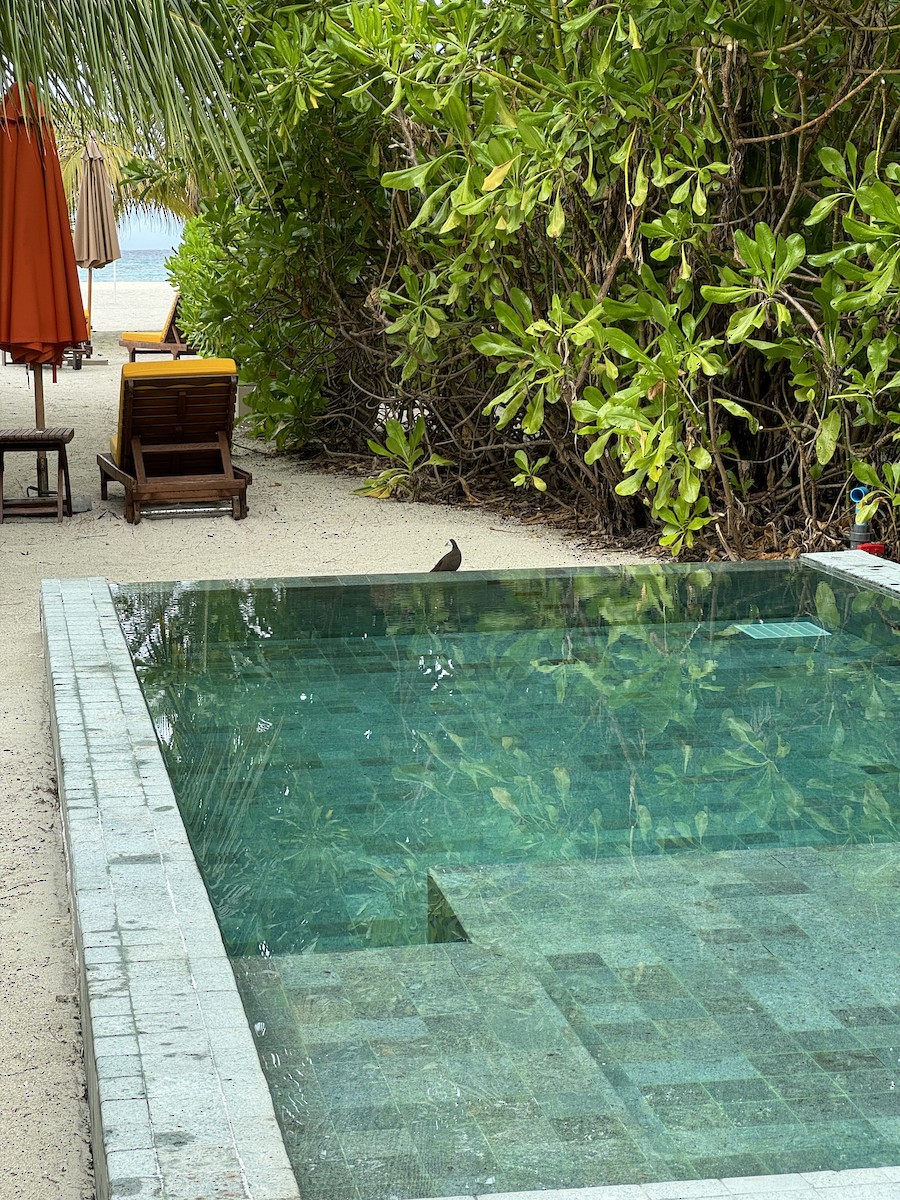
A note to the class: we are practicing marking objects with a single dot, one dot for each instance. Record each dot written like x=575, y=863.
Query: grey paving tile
x=135, y=957
x=709, y=1189
x=767, y=1184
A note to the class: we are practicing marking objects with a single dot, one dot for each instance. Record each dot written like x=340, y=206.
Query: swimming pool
x=548, y=880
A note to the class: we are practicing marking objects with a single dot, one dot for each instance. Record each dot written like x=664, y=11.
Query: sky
x=149, y=233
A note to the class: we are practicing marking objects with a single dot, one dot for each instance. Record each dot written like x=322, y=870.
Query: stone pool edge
x=155, y=984
x=881, y=574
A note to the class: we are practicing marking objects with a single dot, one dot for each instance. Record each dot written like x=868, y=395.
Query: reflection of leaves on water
x=673, y=733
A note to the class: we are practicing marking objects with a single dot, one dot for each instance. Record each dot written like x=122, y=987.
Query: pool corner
x=156, y=987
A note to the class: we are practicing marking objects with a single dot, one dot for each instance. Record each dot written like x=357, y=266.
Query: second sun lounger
x=169, y=340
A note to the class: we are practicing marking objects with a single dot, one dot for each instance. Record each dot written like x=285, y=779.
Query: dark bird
x=451, y=560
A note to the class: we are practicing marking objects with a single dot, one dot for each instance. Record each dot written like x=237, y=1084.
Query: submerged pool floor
x=673, y=1018
x=672, y=846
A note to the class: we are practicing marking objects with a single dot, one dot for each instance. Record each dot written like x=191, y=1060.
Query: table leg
x=64, y=469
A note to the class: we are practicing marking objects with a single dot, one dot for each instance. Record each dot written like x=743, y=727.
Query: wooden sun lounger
x=169, y=340
x=173, y=443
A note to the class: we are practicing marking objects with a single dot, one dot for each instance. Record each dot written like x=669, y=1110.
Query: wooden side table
x=40, y=440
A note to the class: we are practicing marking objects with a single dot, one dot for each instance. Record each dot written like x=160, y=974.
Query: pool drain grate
x=783, y=629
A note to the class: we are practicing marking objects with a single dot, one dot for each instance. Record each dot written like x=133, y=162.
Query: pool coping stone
x=154, y=979
x=858, y=566
x=157, y=991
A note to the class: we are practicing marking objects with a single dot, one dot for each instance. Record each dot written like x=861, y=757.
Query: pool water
x=548, y=879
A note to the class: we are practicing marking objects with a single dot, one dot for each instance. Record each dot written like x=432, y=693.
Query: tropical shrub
x=655, y=244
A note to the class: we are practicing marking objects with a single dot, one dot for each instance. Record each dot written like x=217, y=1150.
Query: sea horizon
x=135, y=266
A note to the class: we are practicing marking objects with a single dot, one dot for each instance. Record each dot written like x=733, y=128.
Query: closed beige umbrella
x=96, y=240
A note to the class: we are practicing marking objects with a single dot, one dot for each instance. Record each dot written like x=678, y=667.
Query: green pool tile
x=680, y=1094
x=575, y=1104
x=588, y=961
x=485, y=1074
x=692, y=1071
x=838, y=1062
x=687, y=1031
x=416, y=1082
x=867, y=1019
x=320, y=1008
x=588, y=1129
x=752, y=1088
x=695, y=1116
x=804, y=1083
x=731, y=1166
x=366, y=1118
x=403, y=1176
x=630, y=1051
x=864, y=1083
x=360, y=1145
x=350, y=1091
x=747, y=1112
x=829, y=1107
x=686, y=1008
x=326, y=1181
x=454, y=1148
x=574, y=1001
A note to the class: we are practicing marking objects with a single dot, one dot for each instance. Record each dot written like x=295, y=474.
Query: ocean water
x=135, y=266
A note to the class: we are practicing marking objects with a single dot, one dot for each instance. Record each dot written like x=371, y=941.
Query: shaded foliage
x=654, y=244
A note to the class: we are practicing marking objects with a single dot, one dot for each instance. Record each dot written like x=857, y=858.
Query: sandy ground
x=300, y=523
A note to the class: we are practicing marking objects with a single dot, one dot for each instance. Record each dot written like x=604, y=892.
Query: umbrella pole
x=90, y=299
x=43, y=484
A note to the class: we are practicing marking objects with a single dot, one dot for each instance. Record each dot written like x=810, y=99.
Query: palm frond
x=146, y=72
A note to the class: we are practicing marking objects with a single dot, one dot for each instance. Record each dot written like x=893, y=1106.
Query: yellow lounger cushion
x=142, y=335
x=176, y=369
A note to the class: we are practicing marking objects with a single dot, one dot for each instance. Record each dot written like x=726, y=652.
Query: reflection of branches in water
x=670, y=735
x=173, y=624
x=216, y=796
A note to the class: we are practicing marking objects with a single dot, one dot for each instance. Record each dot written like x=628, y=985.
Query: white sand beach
x=301, y=522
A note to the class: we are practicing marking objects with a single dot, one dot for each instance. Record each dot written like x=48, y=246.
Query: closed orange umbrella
x=41, y=310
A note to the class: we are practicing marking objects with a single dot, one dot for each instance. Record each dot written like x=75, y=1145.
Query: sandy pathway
x=300, y=523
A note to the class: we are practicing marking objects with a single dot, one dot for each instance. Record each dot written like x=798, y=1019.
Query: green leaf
x=509, y=318
x=866, y=474
x=496, y=177
x=833, y=161
x=631, y=484
x=744, y=321
x=765, y=240
x=495, y=344
x=411, y=177
x=826, y=607
x=822, y=208
x=826, y=438
x=557, y=221
x=641, y=184
x=578, y=23
x=725, y=295
x=738, y=410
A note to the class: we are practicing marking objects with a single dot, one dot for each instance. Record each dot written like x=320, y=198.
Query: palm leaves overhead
x=144, y=185
x=145, y=72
